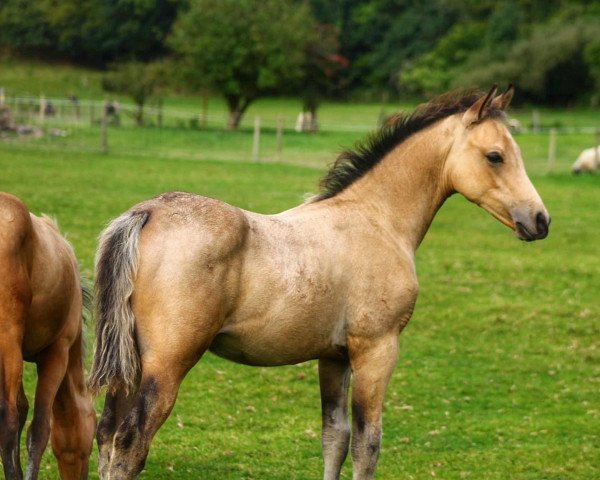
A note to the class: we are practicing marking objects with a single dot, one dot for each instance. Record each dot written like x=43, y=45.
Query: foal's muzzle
x=530, y=229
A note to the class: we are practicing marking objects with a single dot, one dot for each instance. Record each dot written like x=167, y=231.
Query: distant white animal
x=587, y=161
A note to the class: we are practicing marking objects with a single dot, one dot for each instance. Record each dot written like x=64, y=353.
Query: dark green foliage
x=94, y=32
x=253, y=48
x=548, y=66
x=542, y=50
x=503, y=24
x=380, y=35
x=23, y=26
x=433, y=72
x=591, y=56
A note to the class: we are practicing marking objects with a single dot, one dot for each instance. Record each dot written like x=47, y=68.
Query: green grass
x=499, y=372
x=500, y=365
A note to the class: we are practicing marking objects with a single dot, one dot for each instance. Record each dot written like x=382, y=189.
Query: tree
x=322, y=64
x=136, y=80
x=243, y=49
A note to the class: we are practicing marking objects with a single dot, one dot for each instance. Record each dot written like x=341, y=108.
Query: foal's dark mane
x=353, y=164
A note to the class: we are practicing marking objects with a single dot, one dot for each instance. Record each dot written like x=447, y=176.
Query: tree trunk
x=139, y=115
x=237, y=106
x=235, y=117
x=313, y=126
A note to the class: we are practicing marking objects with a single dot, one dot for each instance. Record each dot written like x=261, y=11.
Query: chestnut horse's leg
x=51, y=368
x=23, y=408
x=73, y=420
x=372, y=362
x=13, y=404
x=116, y=405
x=334, y=379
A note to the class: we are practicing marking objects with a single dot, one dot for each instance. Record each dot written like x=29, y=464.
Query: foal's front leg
x=334, y=378
x=372, y=365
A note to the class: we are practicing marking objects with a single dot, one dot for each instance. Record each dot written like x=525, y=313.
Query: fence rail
x=100, y=126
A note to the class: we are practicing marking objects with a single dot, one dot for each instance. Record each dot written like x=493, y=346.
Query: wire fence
x=89, y=126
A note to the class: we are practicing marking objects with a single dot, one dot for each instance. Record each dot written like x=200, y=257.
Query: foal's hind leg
x=151, y=407
x=73, y=420
x=168, y=354
x=334, y=378
x=116, y=405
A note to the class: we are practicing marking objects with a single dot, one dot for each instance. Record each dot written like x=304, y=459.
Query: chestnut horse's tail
x=116, y=358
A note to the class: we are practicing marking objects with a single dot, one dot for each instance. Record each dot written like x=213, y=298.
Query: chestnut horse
x=332, y=279
x=41, y=307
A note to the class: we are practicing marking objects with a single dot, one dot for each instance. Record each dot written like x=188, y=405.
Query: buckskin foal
x=332, y=279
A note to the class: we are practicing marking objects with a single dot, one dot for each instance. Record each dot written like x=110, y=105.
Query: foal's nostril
x=542, y=223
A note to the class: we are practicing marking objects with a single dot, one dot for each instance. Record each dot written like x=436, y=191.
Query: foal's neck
x=407, y=187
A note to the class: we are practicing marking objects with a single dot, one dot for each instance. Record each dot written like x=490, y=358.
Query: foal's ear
x=501, y=102
x=478, y=110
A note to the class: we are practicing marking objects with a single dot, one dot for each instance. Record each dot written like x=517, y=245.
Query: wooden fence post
x=597, y=148
x=104, y=129
x=42, y=109
x=204, y=117
x=552, y=150
x=160, y=112
x=279, y=138
x=256, y=140
x=2, y=96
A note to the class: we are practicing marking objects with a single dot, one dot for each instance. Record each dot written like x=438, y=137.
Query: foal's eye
x=494, y=157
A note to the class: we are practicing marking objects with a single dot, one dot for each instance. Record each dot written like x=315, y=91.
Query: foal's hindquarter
x=40, y=321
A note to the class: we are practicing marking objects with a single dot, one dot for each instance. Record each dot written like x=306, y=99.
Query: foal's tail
x=116, y=358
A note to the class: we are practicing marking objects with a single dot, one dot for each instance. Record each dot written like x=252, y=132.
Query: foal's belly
x=261, y=345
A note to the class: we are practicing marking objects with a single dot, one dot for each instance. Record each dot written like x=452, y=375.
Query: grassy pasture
x=500, y=366
x=499, y=374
